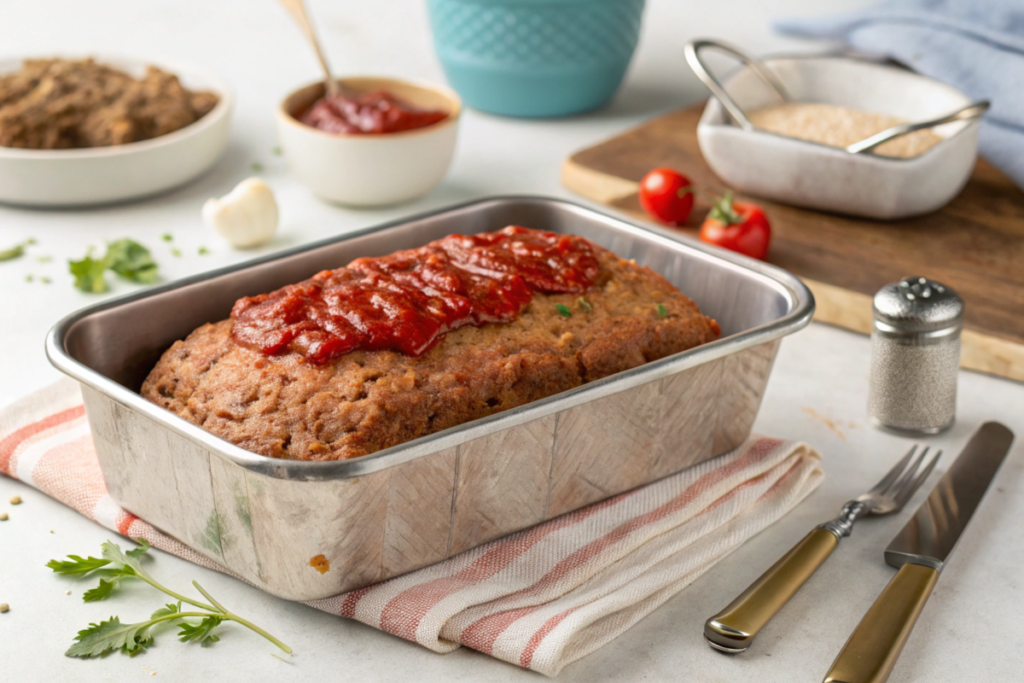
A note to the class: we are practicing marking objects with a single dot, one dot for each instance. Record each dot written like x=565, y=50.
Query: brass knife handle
x=871, y=652
x=734, y=628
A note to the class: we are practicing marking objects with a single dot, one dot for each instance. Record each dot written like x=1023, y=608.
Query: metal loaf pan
x=278, y=523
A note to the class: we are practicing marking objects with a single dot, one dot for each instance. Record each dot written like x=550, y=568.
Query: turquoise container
x=535, y=58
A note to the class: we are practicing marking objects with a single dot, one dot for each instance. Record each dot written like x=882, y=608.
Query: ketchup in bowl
x=370, y=113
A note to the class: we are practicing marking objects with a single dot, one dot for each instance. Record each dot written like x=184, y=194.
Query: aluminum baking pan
x=97, y=346
x=410, y=505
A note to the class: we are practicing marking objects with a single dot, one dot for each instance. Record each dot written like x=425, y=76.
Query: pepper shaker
x=915, y=356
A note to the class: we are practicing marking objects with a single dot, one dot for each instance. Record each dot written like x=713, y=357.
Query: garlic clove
x=247, y=216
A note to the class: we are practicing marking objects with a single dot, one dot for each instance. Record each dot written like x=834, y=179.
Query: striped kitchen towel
x=540, y=598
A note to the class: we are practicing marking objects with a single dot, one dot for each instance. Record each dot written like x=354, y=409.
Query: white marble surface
x=817, y=392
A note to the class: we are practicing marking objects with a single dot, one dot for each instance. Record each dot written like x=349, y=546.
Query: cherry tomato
x=666, y=195
x=737, y=226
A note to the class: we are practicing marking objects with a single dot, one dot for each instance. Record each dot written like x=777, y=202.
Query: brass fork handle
x=734, y=628
x=871, y=652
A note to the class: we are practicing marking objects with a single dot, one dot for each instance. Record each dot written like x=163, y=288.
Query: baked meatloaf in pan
x=322, y=517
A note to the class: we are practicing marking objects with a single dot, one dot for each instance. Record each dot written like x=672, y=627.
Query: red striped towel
x=540, y=598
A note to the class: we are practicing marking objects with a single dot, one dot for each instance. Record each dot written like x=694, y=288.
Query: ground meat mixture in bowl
x=96, y=129
x=73, y=103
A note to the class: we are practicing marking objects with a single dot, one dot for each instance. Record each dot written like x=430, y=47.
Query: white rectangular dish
x=818, y=176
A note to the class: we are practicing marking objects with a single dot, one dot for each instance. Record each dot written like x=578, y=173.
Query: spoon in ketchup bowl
x=366, y=141
x=297, y=9
x=342, y=110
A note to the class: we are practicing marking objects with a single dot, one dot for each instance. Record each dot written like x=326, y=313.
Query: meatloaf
x=285, y=406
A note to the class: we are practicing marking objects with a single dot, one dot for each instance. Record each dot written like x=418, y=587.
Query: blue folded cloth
x=975, y=45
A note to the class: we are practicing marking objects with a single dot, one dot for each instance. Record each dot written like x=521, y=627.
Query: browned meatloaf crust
x=361, y=402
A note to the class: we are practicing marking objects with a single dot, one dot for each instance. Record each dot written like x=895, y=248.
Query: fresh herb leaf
x=662, y=311
x=44, y=259
x=125, y=562
x=75, y=564
x=107, y=636
x=10, y=254
x=143, y=640
x=29, y=278
x=276, y=151
x=88, y=273
x=141, y=549
x=45, y=280
x=584, y=304
x=257, y=167
x=102, y=591
x=126, y=257
x=17, y=251
x=203, y=251
x=167, y=610
x=564, y=310
x=121, y=565
x=175, y=252
x=132, y=261
x=201, y=632
x=167, y=237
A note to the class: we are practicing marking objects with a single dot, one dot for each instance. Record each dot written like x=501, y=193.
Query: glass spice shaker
x=915, y=356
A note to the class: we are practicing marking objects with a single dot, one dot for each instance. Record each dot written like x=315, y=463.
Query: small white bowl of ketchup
x=382, y=141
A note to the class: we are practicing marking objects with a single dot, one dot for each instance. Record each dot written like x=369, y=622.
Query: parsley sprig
x=126, y=257
x=116, y=565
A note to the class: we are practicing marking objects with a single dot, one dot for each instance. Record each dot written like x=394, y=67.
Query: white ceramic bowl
x=370, y=170
x=102, y=175
x=817, y=176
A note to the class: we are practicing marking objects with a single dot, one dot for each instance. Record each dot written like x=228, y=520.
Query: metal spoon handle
x=971, y=111
x=298, y=11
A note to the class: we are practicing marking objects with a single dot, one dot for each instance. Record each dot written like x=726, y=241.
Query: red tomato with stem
x=667, y=195
x=737, y=226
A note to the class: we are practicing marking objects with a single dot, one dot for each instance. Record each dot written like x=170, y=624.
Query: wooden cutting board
x=975, y=244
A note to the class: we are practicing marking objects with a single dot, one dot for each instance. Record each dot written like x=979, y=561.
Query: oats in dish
x=837, y=126
x=67, y=104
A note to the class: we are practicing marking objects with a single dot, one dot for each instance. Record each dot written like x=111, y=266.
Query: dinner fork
x=733, y=629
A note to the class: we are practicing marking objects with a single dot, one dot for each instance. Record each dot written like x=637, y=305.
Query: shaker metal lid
x=917, y=304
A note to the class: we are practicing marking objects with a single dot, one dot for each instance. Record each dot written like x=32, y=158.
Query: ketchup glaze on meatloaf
x=407, y=300
x=388, y=349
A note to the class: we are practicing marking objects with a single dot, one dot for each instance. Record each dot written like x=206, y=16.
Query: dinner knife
x=920, y=551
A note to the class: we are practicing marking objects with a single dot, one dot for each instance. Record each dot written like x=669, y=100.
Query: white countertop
x=817, y=392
